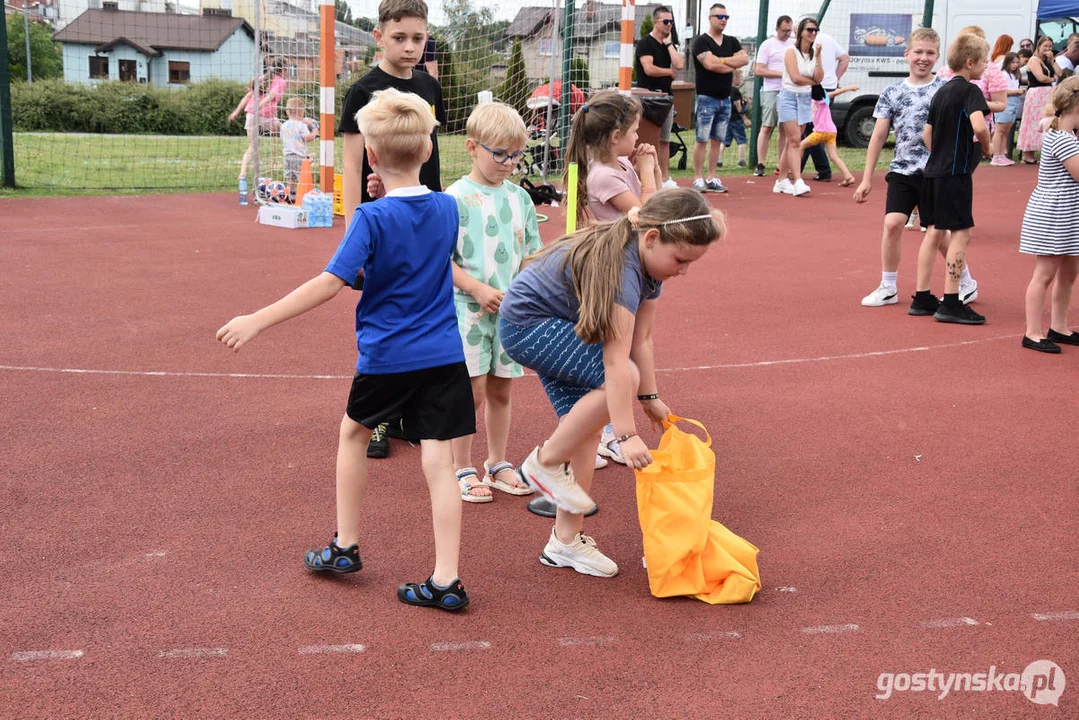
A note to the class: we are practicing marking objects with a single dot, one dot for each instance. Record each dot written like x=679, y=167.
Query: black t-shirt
x=709, y=83
x=736, y=97
x=421, y=84
x=954, y=151
x=661, y=58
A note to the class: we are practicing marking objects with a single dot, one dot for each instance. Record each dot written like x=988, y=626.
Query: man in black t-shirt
x=403, y=40
x=715, y=58
x=657, y=61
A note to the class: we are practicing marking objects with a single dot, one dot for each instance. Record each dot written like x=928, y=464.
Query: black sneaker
x=396, y=429
x=334, y=559
x=923, y=305
x=379, y=447
x=759, y=172
x=961, y=314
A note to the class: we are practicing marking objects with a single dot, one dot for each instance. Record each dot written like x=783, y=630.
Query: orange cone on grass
x=307, y=182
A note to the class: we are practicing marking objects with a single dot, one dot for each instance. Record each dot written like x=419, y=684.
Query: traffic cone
x=307, y=182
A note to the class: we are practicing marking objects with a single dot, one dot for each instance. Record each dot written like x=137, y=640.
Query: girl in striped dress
x=1051, y=224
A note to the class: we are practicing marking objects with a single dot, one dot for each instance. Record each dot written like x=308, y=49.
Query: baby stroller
x=547, y=98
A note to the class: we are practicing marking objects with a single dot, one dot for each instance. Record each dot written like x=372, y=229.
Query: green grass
x=70, y=164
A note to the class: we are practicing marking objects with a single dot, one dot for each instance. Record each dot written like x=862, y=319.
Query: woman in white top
x=801, y=71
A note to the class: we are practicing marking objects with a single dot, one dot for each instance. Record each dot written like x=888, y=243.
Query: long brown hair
x=596, y=256
x=593, y=126
x=798, y=38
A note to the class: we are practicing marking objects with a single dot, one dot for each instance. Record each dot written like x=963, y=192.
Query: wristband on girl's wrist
x=651, y=396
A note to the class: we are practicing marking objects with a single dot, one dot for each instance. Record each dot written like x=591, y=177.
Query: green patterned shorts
x=484, y=354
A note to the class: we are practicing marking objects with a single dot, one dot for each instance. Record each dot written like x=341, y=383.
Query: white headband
x=634, y=218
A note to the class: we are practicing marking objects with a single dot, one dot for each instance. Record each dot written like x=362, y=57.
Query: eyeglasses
x=503, y=156
x=721, y=17
x=668, y=21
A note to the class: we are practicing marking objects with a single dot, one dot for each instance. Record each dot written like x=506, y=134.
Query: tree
x=646, y=25
x=342, y=12
x=364, y=23
x=46, y=61
x=579, y=74
x=515, y=90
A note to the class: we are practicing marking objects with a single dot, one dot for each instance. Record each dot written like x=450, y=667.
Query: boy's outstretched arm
x=242, y=329
x=872, y=154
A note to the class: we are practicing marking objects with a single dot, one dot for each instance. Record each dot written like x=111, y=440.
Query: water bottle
x=243, y=191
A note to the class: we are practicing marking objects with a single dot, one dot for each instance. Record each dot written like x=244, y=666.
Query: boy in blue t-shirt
x=411, y=361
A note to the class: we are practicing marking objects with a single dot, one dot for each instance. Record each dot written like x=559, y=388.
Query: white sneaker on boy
x=883, y=295
x=582, y=555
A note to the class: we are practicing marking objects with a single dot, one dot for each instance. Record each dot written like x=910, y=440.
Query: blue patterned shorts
x=568, y=368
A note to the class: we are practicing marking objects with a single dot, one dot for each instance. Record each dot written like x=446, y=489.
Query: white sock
x=966, y=274
x=888, y=278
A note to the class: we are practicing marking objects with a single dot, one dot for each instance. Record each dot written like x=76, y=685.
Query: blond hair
x=593, y=126
x=924, y=34
x=396, y=9
x=398, y=127
x=295, y=103
x=1064, y=99
x=967, y=46
x=498, y=125
x=596, y=257
x=973, y=30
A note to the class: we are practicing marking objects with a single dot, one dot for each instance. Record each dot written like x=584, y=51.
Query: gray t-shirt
x=907, y=106
x=544, y=290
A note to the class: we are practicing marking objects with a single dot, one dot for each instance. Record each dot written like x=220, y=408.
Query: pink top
x=275, y=93
x=992, y=80
x=605, y=183
x=822, y=117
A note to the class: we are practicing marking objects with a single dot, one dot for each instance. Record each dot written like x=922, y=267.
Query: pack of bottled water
x=319, y=208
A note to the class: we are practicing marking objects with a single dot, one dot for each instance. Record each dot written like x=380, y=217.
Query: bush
x=126, y=108
x=515, y=90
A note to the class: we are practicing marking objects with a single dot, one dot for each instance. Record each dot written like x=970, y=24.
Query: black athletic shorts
x=434, y=403
x=947, y=202
x=904, y=192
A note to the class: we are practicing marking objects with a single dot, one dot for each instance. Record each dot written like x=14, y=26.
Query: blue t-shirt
x=405, y=318
x=544, y=289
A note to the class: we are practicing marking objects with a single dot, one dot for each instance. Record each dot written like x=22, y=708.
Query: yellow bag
x=687, y=552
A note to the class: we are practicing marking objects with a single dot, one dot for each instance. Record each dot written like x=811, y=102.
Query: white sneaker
x=601, y=462
x=968, y=291
x=912, y=221
x=582, y=555
x=669, y=184
x=800, y=188
x=609, y=446
x=883, y=295
x=783, y=186
x=699, y=185
x=559, y=487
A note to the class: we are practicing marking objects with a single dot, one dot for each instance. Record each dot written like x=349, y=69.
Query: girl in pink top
x=824, y=129
x=267, y=111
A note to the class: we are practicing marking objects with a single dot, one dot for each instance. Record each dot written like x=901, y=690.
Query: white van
x=876, y=40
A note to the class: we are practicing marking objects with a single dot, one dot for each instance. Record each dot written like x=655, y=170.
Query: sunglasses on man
x=721, y=17
x=668, y=21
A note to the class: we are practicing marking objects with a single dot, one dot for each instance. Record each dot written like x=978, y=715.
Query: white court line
x=458, y=646
x=595, y=640
x=831, y=629
x=29, y=655
x=787, y=589
x=1066, y=615
x=718, y=635
x=727, y=366
x=332, y=649
x=950, y=623
x=196, y=652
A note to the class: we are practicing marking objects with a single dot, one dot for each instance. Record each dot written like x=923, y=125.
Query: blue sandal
x=334, y=559
x=427, y=594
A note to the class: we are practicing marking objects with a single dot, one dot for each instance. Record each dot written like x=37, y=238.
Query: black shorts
x=904, y=192
x=947, y=202
x=434, y=403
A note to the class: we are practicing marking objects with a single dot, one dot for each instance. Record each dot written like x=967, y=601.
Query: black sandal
x=426, y=594
x=334, y=559
x=1054, y=336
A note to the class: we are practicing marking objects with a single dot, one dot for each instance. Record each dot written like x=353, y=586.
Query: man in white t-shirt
x=769, y=65
x=834, y=60
x=1070, y=57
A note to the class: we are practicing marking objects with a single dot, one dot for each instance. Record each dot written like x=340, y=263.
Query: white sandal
x=466, y=486
x=490, y=479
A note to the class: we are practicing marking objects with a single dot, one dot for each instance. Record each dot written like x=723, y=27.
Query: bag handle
x=674, y=419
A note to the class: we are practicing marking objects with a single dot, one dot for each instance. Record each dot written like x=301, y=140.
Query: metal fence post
x=7, y=145
x=565, y=118
x=755, y=129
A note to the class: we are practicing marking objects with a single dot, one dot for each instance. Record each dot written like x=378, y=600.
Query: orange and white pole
x=327, y=111
x=625, y=58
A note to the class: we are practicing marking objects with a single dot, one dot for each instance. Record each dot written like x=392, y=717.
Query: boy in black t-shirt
x=656, y=62
x=402, y=34
x=957, y=136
